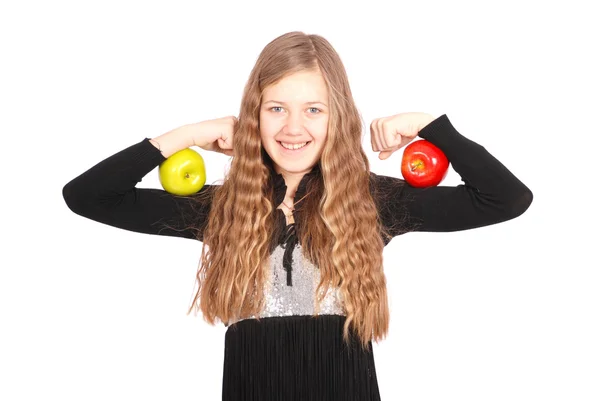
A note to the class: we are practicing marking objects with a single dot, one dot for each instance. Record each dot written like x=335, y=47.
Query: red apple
x=424, y=164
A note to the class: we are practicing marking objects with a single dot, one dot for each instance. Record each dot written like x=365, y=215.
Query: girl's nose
x=294, y=124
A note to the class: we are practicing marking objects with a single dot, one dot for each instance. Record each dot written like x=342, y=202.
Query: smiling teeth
x=293, y=146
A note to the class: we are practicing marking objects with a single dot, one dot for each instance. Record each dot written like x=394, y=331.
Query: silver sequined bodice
x=298, y=299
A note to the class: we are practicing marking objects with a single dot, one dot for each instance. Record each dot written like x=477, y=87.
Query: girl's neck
x=292, y=180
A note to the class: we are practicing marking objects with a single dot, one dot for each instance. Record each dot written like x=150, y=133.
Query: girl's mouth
x=293, y=147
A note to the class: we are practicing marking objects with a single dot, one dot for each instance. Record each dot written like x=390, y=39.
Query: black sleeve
x=490, y=194
x=107, y=193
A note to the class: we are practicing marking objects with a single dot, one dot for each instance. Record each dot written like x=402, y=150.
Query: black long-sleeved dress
x=289, y=354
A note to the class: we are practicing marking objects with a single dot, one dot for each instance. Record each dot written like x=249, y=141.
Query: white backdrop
x=506, y=312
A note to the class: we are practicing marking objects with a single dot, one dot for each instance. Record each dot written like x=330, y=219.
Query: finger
x=390, y=137
x=388, y=152
x=373, y=133
x=378, y=133
x=225, y=143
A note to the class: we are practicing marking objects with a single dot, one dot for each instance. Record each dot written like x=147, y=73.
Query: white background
x=506, y=312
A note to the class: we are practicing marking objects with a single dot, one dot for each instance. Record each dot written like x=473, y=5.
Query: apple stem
x=416, y=165
x=187, y=175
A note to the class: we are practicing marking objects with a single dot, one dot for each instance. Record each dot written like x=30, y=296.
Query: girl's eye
x=313, y=110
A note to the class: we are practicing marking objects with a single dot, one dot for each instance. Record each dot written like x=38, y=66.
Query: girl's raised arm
x=490, y=194
x=107, y=192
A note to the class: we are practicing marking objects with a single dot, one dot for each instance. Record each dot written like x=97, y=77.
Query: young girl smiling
x=292, y=257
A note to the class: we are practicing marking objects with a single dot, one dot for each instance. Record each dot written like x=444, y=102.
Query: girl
x=293, y=239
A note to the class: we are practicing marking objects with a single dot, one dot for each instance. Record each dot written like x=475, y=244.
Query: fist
x=388, y=134
x=215, y=135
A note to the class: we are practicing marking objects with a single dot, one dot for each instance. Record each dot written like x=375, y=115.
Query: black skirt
x=293, y=358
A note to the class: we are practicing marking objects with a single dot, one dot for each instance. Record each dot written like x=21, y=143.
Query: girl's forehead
x=299, y=87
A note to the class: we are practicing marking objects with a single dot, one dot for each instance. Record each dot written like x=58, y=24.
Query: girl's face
x=293, y=118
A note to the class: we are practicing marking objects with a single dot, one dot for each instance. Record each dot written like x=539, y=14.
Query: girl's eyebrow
x=285, y=104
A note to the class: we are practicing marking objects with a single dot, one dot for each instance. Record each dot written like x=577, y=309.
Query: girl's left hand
x=388, y=134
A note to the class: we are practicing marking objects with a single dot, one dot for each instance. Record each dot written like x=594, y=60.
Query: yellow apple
x=183, y=173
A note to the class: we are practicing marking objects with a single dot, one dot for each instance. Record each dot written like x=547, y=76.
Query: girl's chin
x=297, y=167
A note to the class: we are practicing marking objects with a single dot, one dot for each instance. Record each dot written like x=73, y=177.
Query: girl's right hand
x=215, y=135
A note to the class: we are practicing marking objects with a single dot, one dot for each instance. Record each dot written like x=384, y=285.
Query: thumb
x=385, y=154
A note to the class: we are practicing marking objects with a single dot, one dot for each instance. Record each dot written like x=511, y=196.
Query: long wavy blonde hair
x=340, y=225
